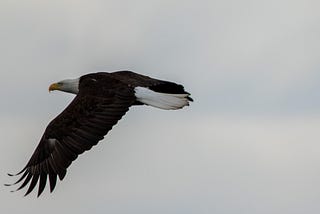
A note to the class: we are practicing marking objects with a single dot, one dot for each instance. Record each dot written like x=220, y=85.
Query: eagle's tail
x=167, y=101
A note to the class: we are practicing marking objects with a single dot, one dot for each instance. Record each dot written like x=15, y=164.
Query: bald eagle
x=101, y=100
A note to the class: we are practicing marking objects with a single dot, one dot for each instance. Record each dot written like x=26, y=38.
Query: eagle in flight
x=101, y=100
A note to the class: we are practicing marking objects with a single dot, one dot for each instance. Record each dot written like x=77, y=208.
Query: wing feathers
x=26, y=181
x=53, y=181
x=33, y=183
x=62, y=174
x=42, y=183
x=79, y=127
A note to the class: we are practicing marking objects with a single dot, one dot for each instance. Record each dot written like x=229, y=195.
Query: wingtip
x=16, y=174
x=39, y=193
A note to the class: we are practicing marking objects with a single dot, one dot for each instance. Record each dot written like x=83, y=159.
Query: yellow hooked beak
x=54, y=86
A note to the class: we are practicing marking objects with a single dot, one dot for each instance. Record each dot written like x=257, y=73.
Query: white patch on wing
x=52, y=142
x=161, y=100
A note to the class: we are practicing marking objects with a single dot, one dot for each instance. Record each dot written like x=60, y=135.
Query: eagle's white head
x=68, y=85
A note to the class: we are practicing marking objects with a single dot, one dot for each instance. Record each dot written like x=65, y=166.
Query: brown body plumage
x=102, y=99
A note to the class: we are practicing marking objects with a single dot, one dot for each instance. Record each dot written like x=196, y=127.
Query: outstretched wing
x=80, y=126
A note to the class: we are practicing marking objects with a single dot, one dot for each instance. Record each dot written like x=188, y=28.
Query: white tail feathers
x=161, y=100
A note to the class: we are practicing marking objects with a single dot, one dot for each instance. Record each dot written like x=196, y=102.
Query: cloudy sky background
x=248, y=144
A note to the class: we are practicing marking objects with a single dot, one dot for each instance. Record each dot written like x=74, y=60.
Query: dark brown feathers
x=97, y=107
x=102, y=99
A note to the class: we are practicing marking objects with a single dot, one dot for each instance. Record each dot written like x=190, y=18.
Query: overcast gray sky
x=248, y=144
